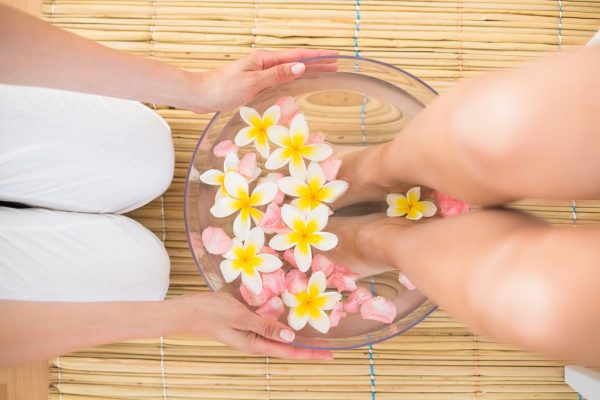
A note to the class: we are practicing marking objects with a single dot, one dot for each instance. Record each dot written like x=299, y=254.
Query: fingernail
x=286, y=335
x=297, y=68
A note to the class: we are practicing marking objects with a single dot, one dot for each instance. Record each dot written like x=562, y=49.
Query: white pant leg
x=48, y=255
x=79, y=152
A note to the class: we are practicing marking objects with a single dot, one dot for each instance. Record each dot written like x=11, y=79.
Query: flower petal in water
x=274, y=177
x=336, y=314
x=288, y=256
x=309, y=305
x=215, y=240
x=306, y=232
x=450, y=206
x=248, y=166
x=274, y=281
x=216, y=177
x=293, y=148
x=239, y=199
x=322, y=263
x=272, y=221
x=331, y=167
x=272, y=309
x=244, y=259
x=223, y=148
x=342, y=279
x=410, y=205
x=256, y=300
x=295, y=281
x=313, y=192
x=378, y=309
x=289, y=108
x=356, y=299
x=258, y=129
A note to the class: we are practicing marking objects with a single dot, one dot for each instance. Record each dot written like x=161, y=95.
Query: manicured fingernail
x=297, y=68
x=286, y=335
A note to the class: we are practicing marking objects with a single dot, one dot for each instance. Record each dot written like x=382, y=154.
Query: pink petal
x=268, y=250
x=274, y=281
x=406, y=282
x=272, y=221
x=289, y=108
x=322, y=263
x=288, y=256
x=295, y=281
x=317, y=137
x=248, y=165
x=450, y=206
x=342, y=279
x=331, y=167
x=274, y=177
x=272, y=309
x=336, y=314
x=215, y=240
x=256, y=299
x=378, y=309
x=225, y=147
x=356, y=299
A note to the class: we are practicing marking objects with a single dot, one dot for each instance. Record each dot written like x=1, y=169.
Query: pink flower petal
x=450, y=206
x=225, y=147
x=322, y=263
x=272, y=309
x=331, y=167
x=289, y=108
x=274, y=177
x=248, y=165
x=274, y=281
x=378, y=309
x=295, y=281
x=272, y=221
x=288, y=256
x=268, y=250
x=342, y=279
x=317, y=137
x=356, y=299
x=403, y=279
x=256, y=299
x=215, y=240
x=336, y=314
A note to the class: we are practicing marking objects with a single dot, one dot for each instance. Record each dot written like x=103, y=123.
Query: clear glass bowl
x=365, y=102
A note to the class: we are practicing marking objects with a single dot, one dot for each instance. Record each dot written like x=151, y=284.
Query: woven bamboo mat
x=439, y=41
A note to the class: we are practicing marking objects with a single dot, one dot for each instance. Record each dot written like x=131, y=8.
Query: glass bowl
x=365, y=102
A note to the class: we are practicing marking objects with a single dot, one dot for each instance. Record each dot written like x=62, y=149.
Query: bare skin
x=532, y=132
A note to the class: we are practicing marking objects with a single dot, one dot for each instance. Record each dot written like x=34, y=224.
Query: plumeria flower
x=310, y=305
x=315, y=191
x=305, y=233
x=294, y=149
x=410, y=205
x=216, y=177
x=259, y=128
x=239, y=199
x=244, y=259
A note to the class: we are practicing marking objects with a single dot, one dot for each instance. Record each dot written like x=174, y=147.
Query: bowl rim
x=187, y=185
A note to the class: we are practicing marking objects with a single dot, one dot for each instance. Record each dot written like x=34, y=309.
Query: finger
x=282, y=350
x=279, y=74
x=268, y=59
x=320, y=68
x=267, y=328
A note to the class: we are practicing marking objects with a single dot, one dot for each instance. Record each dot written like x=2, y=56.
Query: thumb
x=280, y=73
x=270, y=329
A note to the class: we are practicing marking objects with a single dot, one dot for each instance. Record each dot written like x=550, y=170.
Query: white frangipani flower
x=305, y=232
x=310, y=305
x=216, y=177
x=239, y=199
x=410, y=205
x=244, y=259
x=293, y=148
x=259, y=128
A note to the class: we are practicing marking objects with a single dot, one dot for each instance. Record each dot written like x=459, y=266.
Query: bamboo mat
x=438, y=41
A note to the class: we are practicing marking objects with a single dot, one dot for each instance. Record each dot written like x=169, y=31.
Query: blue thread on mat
x=560, y=25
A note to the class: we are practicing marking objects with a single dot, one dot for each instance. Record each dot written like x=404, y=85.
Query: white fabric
x=78, y=152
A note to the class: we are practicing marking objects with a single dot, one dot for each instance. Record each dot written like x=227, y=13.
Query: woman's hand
x=221, y=317
x=234, y=84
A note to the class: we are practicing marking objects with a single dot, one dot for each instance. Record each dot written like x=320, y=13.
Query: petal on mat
x=212, y=177
x=324, y=241
x=264, y=193
x=250, y=116
x=317, y=152
x=320, y=321
x=224, y=207
x=291, y=186
x=245, y=136
x=230, y=273
x=236, y=185
x=268, y=263
x=276, y=160
x=429, y=209
x=281, y=241
x=271, y=116
x=252, y=281
x=297, y=321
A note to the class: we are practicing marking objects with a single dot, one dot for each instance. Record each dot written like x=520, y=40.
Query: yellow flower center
x=246, y=259
x=310, y=302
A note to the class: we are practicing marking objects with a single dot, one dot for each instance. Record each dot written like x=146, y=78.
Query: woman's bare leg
x=506, y=275
x=531, y=132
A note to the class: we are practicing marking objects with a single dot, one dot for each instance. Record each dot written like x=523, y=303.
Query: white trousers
x=76, y=159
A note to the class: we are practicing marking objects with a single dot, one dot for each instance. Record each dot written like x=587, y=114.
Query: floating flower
x=244, y=259
x=322, y=263
x=409, y=205
x=215, y=240
x=272, y=221
x=450, y=206
x=223, y=148
x=305, y=233
x=294, y=149
x=336, y=314
x=274, y=177
x=216, y=177
x=289, y=108
x=295, y=281
x=310, y=305
x=315, y=191
x=256, y=300
x=356, y=299
x=331, y=167
x=342, y=279
x=272, y=309
x=259, y=130
x=274, y=281
x=378, y=309
x=403, y=279
x=238, y=199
